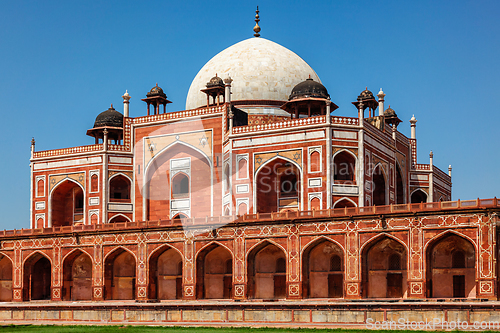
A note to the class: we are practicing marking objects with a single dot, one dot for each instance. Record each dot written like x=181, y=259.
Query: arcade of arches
x=264, y=270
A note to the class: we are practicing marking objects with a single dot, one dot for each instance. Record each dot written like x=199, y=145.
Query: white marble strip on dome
x=260, y=69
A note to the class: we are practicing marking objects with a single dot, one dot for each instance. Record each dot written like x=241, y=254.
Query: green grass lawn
x=154, y=329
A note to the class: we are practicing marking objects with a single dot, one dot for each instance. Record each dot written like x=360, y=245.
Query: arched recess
x=165, y=274
x=120, y=188
x=214, y=272
x=180, y=186
x=40, y=188
x=37, y=277
x=67, y=203
x=242, y=208
x=323, y=270
x=344, y=202
x=315, y=161
x=379, y=186
x=400, y=187
x=5, y=278
x=278, y=186
x=243, y=168
x=451, y=267
x=156, y=183
x=119, y=218
x=94, y=183
x=384, y=269
x=344, y=167
x=418, y=196
x=266, y=271
x=119, y=275
x=77, y=277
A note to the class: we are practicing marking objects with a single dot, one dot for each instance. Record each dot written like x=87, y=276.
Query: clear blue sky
x=64, y=62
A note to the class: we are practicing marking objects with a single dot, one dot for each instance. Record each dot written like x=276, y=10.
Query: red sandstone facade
x=226, y=202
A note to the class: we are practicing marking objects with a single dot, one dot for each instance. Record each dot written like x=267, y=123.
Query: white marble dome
x=260, y=69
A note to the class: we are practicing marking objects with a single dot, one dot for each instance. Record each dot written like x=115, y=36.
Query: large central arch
x=67, y=203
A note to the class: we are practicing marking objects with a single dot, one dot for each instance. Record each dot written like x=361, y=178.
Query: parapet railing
x=67, y=151
x=280, y=125
x=178, y=114
x=215, y=221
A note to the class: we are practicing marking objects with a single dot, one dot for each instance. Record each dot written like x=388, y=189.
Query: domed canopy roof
x=260, y=69
x=156, y=91
x=215, y=82
x=365, y=95
x=109, y=118
x=309, y=88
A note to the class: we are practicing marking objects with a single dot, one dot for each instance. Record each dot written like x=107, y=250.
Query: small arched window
x=227, y=179
x=335, y=263
x=94, y=183
x=180, y=186
x=40, y=188
x=458, y=259
x=315, y=162
x=242, y=169
x=394, y=262
x=119, y=188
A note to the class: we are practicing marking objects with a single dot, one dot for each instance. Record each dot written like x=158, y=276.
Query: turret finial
x=257, y=28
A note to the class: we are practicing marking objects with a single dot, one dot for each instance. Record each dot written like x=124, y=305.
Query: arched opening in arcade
x=344, y=171
x=323, y=270
x=170, y=184
x=400, y=188
x=266, y=272
x=451, y=271
x=67, y=202
x=77, y=277
x=278, y=186
x=5, y=279
x=165, y=274
x=119, y=189
x=214, y=273
x=119, y=275
x=179, y=218
x=379, y=190
x=384, y=271
x=37, y=278
x=418, y=196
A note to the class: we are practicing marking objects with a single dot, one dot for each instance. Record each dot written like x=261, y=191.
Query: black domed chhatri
x=109, y=118
x=215, y=82
x=366, y=95
x=309, y=88
x=156, y=91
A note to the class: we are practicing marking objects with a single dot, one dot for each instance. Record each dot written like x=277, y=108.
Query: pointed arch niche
x=384, y=268
x=67, y=204
x=451, y=271
x=119, y=275
x=266, y=272
x=214, y=273
x=77, y=277
x=323, y=270
x=278, y=186
x=165, y=274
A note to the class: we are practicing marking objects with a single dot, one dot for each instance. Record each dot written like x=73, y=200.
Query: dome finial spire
x=257, y=28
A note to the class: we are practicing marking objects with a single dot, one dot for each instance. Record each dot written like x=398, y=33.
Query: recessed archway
x=37, y=277
x=278, y=186
x=379, y=186
x=451, y=267
x=323, y=270
x=77, y=277
x=5, y=279
x=344, y=168
x=165, y=274
x=418, y=196
x=384, y=271
x=67, y=204
x=119, y=275
x=266, y=272
x=214, y=273
x=119, y=189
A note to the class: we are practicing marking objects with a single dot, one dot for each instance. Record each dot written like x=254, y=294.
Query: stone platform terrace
x=311, y=313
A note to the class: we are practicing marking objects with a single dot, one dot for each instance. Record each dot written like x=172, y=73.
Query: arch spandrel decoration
x=201, y=140
x=78, y=177
x=261, y=159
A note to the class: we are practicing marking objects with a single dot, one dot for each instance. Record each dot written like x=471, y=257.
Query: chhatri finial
x=257, y=28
